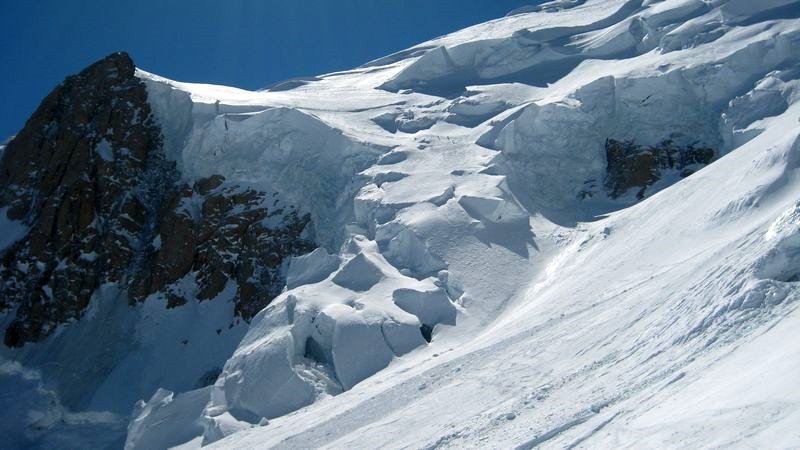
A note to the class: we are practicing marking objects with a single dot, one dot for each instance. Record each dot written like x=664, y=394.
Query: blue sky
x=244, y=43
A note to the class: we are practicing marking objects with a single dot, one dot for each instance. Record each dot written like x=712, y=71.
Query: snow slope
x=444, y=182
x=689, y=341
x=644, y=326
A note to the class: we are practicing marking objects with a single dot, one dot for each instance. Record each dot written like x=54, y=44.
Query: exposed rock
x=88, y=177
x=223, y=232
x=77, y=175
x=633, y=166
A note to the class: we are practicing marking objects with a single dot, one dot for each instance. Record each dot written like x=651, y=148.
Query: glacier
x=474, y=284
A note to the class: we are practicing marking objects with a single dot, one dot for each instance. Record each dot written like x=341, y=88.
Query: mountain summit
x=574, y=226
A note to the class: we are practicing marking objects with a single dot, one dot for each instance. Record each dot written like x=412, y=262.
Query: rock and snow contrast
x=577, y=226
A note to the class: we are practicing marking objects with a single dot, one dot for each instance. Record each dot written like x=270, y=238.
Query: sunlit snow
x=465, y=295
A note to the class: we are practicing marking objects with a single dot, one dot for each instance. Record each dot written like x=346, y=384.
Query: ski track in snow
x=443, y=181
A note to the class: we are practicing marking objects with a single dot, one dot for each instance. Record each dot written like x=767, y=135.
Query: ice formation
x=474, y=284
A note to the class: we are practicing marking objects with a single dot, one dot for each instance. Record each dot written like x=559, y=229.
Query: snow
x=310, y=268
x=463, y=294
x=104, y=150
x=275, y=149
x=40, y=420
x=357, y=347
x=431, y=307
x=568, y=344
x=182, y=343
x=10, y=230
x=751, y=382
x=165, y=419
x=670, y=350
x=148, y=346
x=321, y=338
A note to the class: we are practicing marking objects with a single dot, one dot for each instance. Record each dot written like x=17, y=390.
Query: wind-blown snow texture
x=448, y=187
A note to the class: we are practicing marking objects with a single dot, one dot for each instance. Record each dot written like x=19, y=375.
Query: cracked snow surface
x=467, y=292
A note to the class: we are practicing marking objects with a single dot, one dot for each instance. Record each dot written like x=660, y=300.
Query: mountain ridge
x=467, y=208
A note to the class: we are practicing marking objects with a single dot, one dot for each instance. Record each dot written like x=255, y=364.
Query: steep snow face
x=41, y=418
x=671, y=322
x=477, y=286
x=176, y=348
x=271, y=147
x=471, y=233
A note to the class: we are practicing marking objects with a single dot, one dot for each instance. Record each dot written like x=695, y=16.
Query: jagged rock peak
x=88, y=178
x=84, y=176
x=120, y=62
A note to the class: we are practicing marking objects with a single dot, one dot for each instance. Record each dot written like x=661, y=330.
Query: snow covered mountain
x=574, y=226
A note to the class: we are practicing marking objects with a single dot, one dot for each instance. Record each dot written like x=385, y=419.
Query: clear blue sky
x=244, y=43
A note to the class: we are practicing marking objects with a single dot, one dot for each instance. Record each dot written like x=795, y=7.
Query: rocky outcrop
x=88, y=178
x=215, y=232
x=632, y=166
x=76, y=176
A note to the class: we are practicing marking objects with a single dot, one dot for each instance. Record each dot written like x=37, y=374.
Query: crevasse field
x=464, y=294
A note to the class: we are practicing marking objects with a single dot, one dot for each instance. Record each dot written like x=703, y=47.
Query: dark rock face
x=631, y=166
x=88, y=177
x=216, y=233
x=75, y=175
